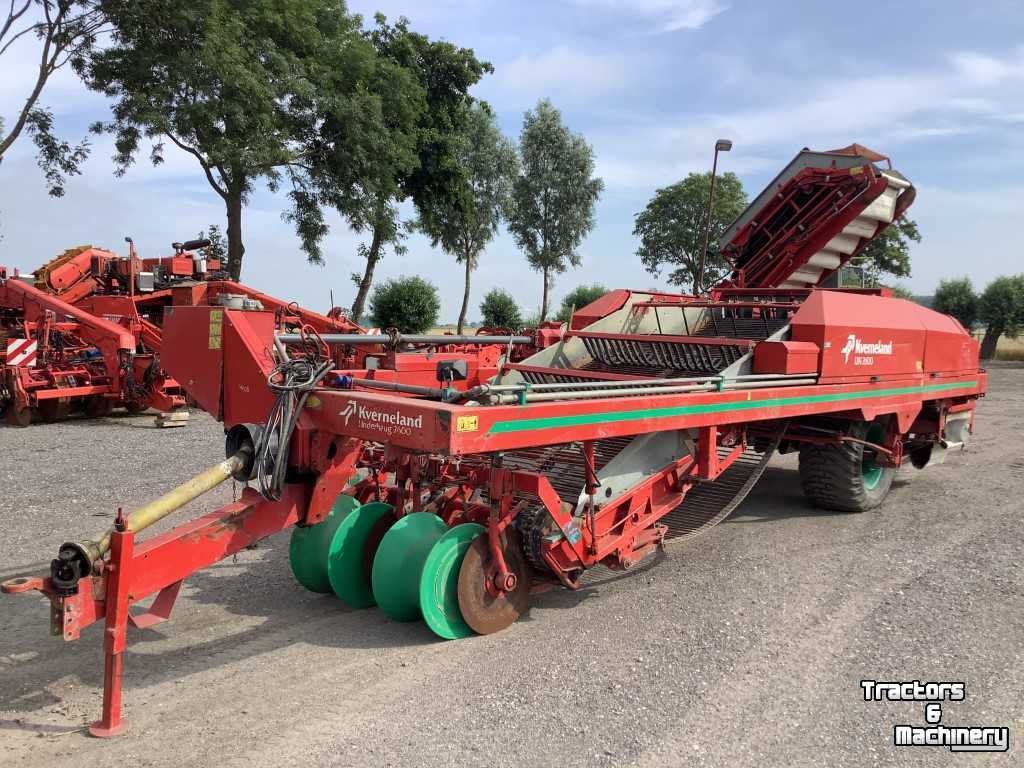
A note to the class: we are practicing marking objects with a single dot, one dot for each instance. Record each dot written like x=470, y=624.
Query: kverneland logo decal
x=381, y=421
x=863, y=350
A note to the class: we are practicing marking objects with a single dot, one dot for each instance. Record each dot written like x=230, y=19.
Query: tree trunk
x=235, y=248
x=465, y=295
x=544, y=302
x=372, y=257
x=989, y=342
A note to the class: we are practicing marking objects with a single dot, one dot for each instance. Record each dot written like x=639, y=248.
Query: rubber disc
x=481, y=610
x=439, y=584
x=398, y=566
x=351, y=551
x=308, y=548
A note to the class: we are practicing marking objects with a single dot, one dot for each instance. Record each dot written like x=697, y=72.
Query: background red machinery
x=85, y=329
x=450, y=485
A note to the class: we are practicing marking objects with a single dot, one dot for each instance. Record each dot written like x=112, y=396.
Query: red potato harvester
x=85, y=329
x=447, y=485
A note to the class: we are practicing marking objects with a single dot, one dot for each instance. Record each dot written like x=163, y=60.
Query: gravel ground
x=742, y=648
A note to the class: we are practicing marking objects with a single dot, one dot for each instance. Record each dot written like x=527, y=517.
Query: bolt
x=506, y=584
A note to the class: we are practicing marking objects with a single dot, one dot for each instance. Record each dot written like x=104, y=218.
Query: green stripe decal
x=555, y=422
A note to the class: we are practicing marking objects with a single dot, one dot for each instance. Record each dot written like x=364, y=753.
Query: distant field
x=1010, y=349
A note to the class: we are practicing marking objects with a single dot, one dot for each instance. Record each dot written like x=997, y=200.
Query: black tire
x=134, y=407
x=97, y=406
x=843, y=477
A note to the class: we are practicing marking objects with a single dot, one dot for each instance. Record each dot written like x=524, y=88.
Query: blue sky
x=938, y=86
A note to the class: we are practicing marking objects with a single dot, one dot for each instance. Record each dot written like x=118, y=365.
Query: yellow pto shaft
x=158, y=509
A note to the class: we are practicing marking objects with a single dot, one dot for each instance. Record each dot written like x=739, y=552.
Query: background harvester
x=447, y=482
x=86, y=329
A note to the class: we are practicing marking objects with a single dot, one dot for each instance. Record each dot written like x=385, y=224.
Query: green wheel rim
x=439, y=583
x=871, y=473
x=398, y=566
x=307, y=550
x=346, y=555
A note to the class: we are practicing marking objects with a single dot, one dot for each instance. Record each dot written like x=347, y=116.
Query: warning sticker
x=216, y=324
x=467, y=424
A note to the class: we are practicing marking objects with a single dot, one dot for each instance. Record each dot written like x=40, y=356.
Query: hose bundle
x=292, y=381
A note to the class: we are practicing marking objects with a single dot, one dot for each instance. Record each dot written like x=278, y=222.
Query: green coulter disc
x=347, y=555
x=307, y=551
x=398, y=565
x=439, y=583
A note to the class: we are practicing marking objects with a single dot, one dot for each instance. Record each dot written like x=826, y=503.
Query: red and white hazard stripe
x=21, y=351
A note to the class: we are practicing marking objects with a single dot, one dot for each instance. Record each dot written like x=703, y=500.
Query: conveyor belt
x=708, y=504
x=753, y=328
x=563, y=464
x=703, y=507
x=654, y=352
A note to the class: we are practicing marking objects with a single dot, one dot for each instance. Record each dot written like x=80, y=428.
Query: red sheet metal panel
x=457, y=429
x=595, y=310
x=872, y=336
x=786, y=357
x=193, y=353
x=247, y=339
x=862, y=336
x=948, y=347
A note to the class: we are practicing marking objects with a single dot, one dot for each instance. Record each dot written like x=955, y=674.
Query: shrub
x=500, y=310
x=410, y=304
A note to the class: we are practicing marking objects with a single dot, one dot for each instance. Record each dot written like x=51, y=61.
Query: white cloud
x=668, y=15
x=64, y=93
x=562, y=72
x=985, y=69
x=885, y=111
x=953, y=222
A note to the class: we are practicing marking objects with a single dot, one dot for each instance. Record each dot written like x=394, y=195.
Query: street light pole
x=722, y=145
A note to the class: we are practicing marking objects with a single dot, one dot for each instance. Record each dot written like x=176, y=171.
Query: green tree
x=359, y=145
x=554, y=195
x=384, y=131
x=499, y=310
x=218, y=247
x=63, y=32
x=578, y=298
x=410, y=304
x=889, y=252
x=1001, y=309
x=490, y=168
x=671, y=228
x=957, y=298
x=226, y=81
